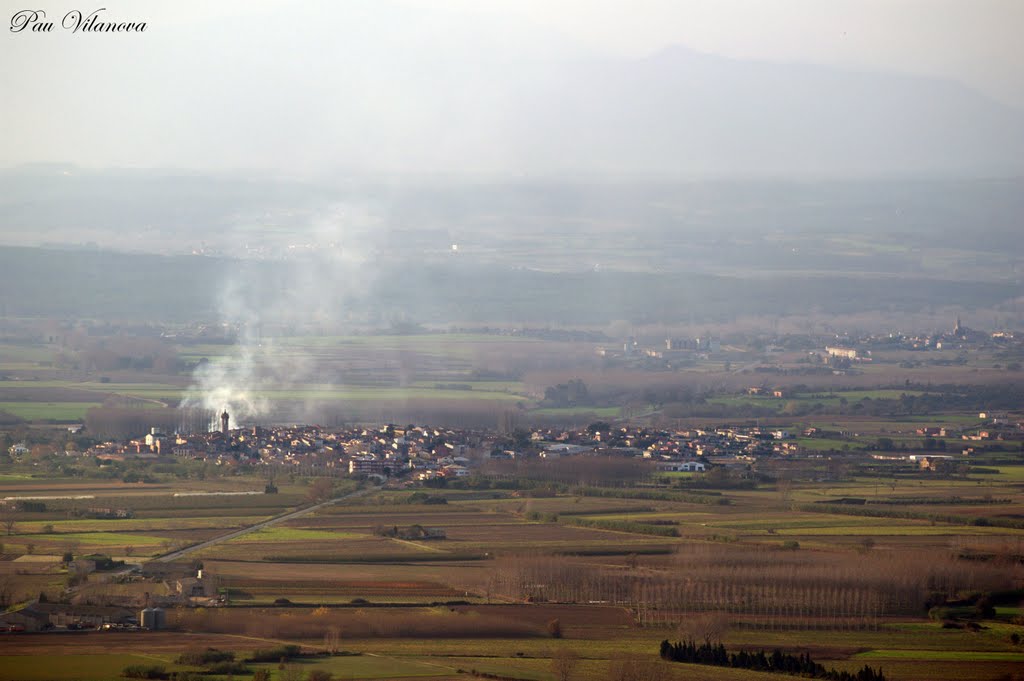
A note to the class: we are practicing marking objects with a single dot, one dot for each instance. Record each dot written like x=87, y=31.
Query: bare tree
x=784, y=488
x=9, y=519
x=6, y=592
x=332, y=639
x=564, y=663
x=709, y=627
x=322, y=489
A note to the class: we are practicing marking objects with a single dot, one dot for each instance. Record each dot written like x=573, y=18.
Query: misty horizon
x=392, y=89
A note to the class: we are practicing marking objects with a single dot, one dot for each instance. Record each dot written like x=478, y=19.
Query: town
x=422, y=453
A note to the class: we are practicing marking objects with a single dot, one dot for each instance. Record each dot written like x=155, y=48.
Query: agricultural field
x=523, y=567
x=459, y=377
x=517, y=580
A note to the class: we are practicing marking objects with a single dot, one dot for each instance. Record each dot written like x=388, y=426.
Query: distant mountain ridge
x=687, y=113
x=385, y=87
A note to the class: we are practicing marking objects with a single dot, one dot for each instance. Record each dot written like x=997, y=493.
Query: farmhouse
x=934, y=462
x=38, y=616
x=682, y=466
x=846, y=353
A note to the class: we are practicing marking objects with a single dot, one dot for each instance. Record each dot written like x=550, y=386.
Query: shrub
x=145, y=671
x=205, y=657
x=984, y=609
x=227, y=668
x=275, y=654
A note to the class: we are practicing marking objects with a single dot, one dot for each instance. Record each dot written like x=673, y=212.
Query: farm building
x=682, y=466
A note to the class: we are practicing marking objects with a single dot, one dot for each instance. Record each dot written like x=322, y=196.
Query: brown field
x=231, y=570
x=296, y=623
x=569, y=615
x=365, y=521
x=352, y=548
x=835, y=593
x=34, y=488
x=95, y=643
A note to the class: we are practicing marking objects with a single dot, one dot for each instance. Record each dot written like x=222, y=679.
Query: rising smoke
x=319, y=269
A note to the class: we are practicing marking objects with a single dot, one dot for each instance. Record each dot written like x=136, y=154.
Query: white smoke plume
x=322, y=263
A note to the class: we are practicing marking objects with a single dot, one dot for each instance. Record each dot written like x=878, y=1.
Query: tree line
x=777, y=663
x=755, y=587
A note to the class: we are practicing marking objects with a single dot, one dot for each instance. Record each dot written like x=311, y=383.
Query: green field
x=48, y=411
x=1011, y=473
x=289, y=534
x=136, y=525
x=601, y=412
x=93, y=667
x=959, y=655
x=112, y=539
x=357, y=393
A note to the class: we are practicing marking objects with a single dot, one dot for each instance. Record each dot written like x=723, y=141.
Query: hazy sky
x=975, y=41
x=191, y=90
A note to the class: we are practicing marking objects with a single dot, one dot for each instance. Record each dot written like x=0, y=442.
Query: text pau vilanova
x=74, y=21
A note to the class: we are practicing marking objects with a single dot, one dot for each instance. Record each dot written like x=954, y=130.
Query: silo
x=147, y=619
x=159, y=618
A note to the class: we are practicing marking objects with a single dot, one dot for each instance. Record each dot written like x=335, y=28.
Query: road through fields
x=175, y=555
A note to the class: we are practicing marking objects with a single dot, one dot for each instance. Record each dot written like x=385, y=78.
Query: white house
x=682, y=466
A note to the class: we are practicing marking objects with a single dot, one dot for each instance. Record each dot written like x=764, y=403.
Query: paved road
x=266, y=523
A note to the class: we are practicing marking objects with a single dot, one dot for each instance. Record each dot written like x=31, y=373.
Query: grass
x=824, y=444
x=375, y=666
x=493, y=386
x=100, y=538
x=622, y=641
x=164, y=393
x=960, y=655
x=603, y=412
x=830, y=400
x=1011, y=473
x=138, y=524
x=904, y=530
x=24, y=354
x=80, y=667
x=364, y=394
x=49, y=411
x=523, y=668
x=422, y=342
x=15, y=478
x=278, y=533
